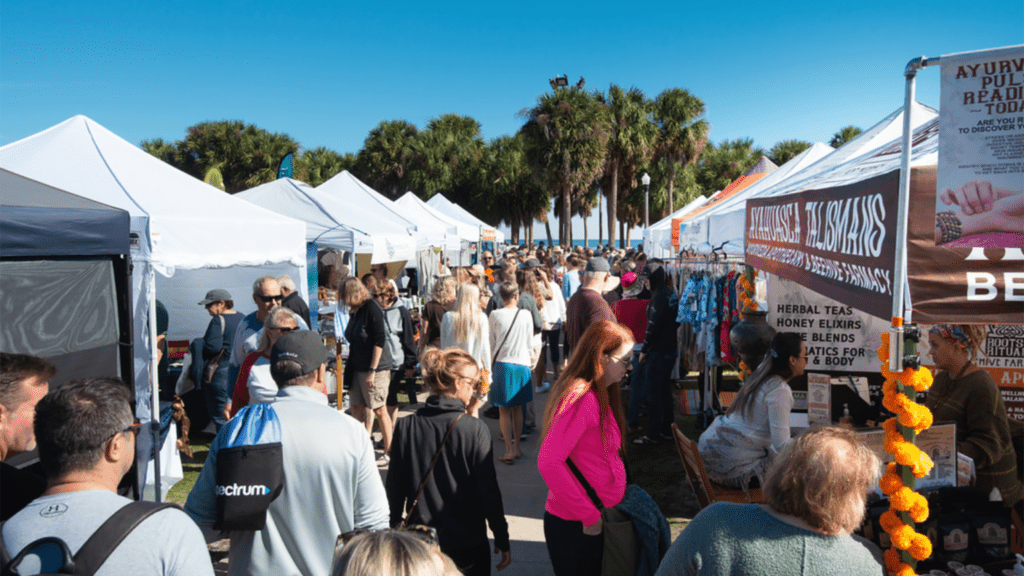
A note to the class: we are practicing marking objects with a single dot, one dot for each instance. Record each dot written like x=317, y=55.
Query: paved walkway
x=523, y=492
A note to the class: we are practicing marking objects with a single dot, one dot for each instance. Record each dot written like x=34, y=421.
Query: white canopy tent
x=453, y=210
x=724, y=224
x=334, y=222
x=658, y=236
x=429, y=231
x=178, y=224
x=420, y=209
x=346, y=189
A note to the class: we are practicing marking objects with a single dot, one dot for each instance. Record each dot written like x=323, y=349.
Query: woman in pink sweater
x=583, y=422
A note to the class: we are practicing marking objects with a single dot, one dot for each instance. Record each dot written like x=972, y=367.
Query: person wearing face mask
x=967, y=395
x=739, y=447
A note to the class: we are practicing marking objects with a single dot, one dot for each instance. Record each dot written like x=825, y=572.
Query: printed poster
x=980, y=189
x=838, y=338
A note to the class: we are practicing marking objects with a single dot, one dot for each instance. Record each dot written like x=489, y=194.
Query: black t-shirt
x=433, y=313
x=365, y=330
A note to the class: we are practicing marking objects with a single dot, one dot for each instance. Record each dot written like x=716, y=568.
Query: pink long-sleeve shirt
x=576, y=433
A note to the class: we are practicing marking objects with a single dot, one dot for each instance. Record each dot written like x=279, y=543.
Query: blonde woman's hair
x=442, y=368
x=277, y=317
x=443, y=290
x=467, y=312
x=392, y=553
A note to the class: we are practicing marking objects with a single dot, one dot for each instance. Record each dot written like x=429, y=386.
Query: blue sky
x=326, y=73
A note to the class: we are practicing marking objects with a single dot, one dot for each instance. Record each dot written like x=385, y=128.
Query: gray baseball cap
x=215, y=295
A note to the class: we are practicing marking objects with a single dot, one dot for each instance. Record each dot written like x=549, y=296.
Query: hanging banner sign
x=837, y=241
x=1002, y=356
x=980, y=188
x=838, y=337
x=953, y=284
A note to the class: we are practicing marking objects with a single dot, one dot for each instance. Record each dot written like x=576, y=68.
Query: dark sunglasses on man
x=271, y=298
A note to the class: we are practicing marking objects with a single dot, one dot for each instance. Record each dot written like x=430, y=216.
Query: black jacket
x=661, y=316
x=296, y=304
x=463, y=490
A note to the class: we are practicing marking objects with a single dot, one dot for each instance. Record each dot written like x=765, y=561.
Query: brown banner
x=958, y=285
x=837, y=242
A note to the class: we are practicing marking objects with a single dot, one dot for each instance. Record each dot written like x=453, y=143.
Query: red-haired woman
x=583, y=423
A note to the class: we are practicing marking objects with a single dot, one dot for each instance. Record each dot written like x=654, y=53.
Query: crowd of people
x=295, y=484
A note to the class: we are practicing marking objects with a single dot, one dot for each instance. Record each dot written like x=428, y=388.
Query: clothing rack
x=714, y=264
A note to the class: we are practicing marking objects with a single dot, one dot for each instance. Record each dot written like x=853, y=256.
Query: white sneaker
x=543, y=388
x=384, y=460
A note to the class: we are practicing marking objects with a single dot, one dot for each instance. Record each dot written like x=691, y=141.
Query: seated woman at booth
x=738, y=447
x=967, y=395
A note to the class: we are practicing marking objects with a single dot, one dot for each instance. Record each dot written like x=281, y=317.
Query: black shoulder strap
x=586, y=485
x=109, y=536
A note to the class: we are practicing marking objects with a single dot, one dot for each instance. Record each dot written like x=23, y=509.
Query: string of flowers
x=902, y=498
x=746, y=296
x=744, y=371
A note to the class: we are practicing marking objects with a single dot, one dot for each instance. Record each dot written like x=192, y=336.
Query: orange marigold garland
x=746, y=296
x=901, y=498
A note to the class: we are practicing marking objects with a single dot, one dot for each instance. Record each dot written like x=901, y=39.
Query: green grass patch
x=192, y=467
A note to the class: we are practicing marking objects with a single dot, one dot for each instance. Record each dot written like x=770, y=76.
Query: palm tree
x=245, y=154
x=383, y=161
x=844, y=135
x=506, y=191
x=722, y=164
x=684, y=132
x=567, y=137
x=631, y=143
x=320, y=164
x=445, y=157
x=786, y=150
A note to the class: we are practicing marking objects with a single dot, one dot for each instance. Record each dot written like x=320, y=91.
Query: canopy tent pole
x=900, y=312
x=154, y=386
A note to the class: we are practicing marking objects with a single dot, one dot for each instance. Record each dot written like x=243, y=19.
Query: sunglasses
x=135, y=428
x=285, y=329
x=269, y=299
x=424, y=533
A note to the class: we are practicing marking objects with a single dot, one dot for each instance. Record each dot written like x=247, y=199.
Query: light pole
x=646, y=179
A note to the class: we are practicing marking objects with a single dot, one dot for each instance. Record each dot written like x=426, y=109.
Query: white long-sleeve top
x=478, y=345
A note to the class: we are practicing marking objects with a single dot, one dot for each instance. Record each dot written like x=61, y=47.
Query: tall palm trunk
x=671, y=185
x=613, y=203
x=547, y=230
x=565, y=237
x=622, y=234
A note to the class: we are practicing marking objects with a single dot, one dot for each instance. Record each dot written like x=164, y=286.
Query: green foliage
x=684, y=188
x=214, y=178
x=245, y=154
x=684, y=132
x=506, y=191
x=844, y=135
x=721, y=164
x=316, y=166
x=445, y=158
x=633, y=137
x=382, y=162
x=786, y=150
x=567, y=141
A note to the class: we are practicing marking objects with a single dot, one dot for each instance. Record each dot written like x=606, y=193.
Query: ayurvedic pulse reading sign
x=980, y=188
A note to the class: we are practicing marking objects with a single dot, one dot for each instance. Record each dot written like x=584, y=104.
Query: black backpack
x=96, y=549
